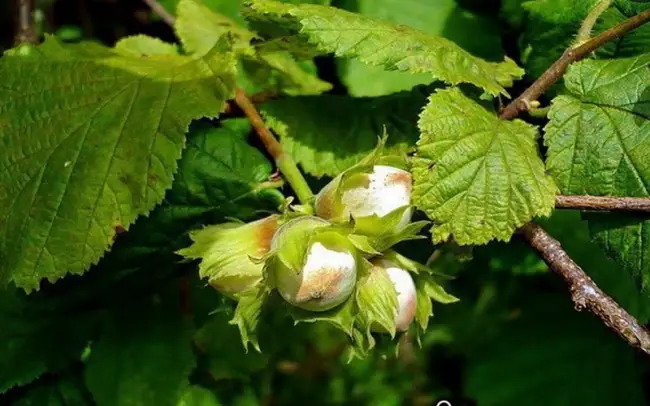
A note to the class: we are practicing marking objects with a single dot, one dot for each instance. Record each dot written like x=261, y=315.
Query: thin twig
x=284, y=162
x=26, y=26
x=557, y=70
x=584, y=291
x=604, y=203
x=161, y=11
x=272, y=145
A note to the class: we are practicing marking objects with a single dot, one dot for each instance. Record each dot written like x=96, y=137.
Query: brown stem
x=270, y=143
x=161, y=11
x=557, y=70
x=242, y=101
x=26, y=26
x=584, y=291
x=284, y=162
x=603, y=203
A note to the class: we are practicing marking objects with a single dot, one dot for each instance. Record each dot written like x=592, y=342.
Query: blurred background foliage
x=141, y=329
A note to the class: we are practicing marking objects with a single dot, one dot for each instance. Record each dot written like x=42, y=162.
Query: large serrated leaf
x=329, y=134
x=476, y=176
x=220, y=176
x=89, y=141
x=473, y=32
x=599, y=144
x=378, y=43
x=199, y=28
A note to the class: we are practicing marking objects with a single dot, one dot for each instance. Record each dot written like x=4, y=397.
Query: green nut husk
x=312, y=265
x=229, y=253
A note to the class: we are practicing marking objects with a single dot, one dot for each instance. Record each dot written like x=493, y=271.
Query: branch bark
x=584, y=291
x=26, y=26
x=573, y=54
x=603, y=203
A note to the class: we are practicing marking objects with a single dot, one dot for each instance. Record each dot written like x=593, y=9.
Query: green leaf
x=97, y=149
x=40, y=333
x=199, y=29
x=377, y=301
x=197, y=396
x=279, y=71
x=230, y=8
x=220, y=344
x=220, y=176
x=144, y=46
x=552, y=25
x=599, y=142
x=379, y=43
x=552, y=355
x=144, y=356
x=477, y=177
x=475, y=33
x=328, y=134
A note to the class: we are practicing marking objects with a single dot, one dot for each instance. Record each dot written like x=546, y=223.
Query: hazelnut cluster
x=316, y=262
